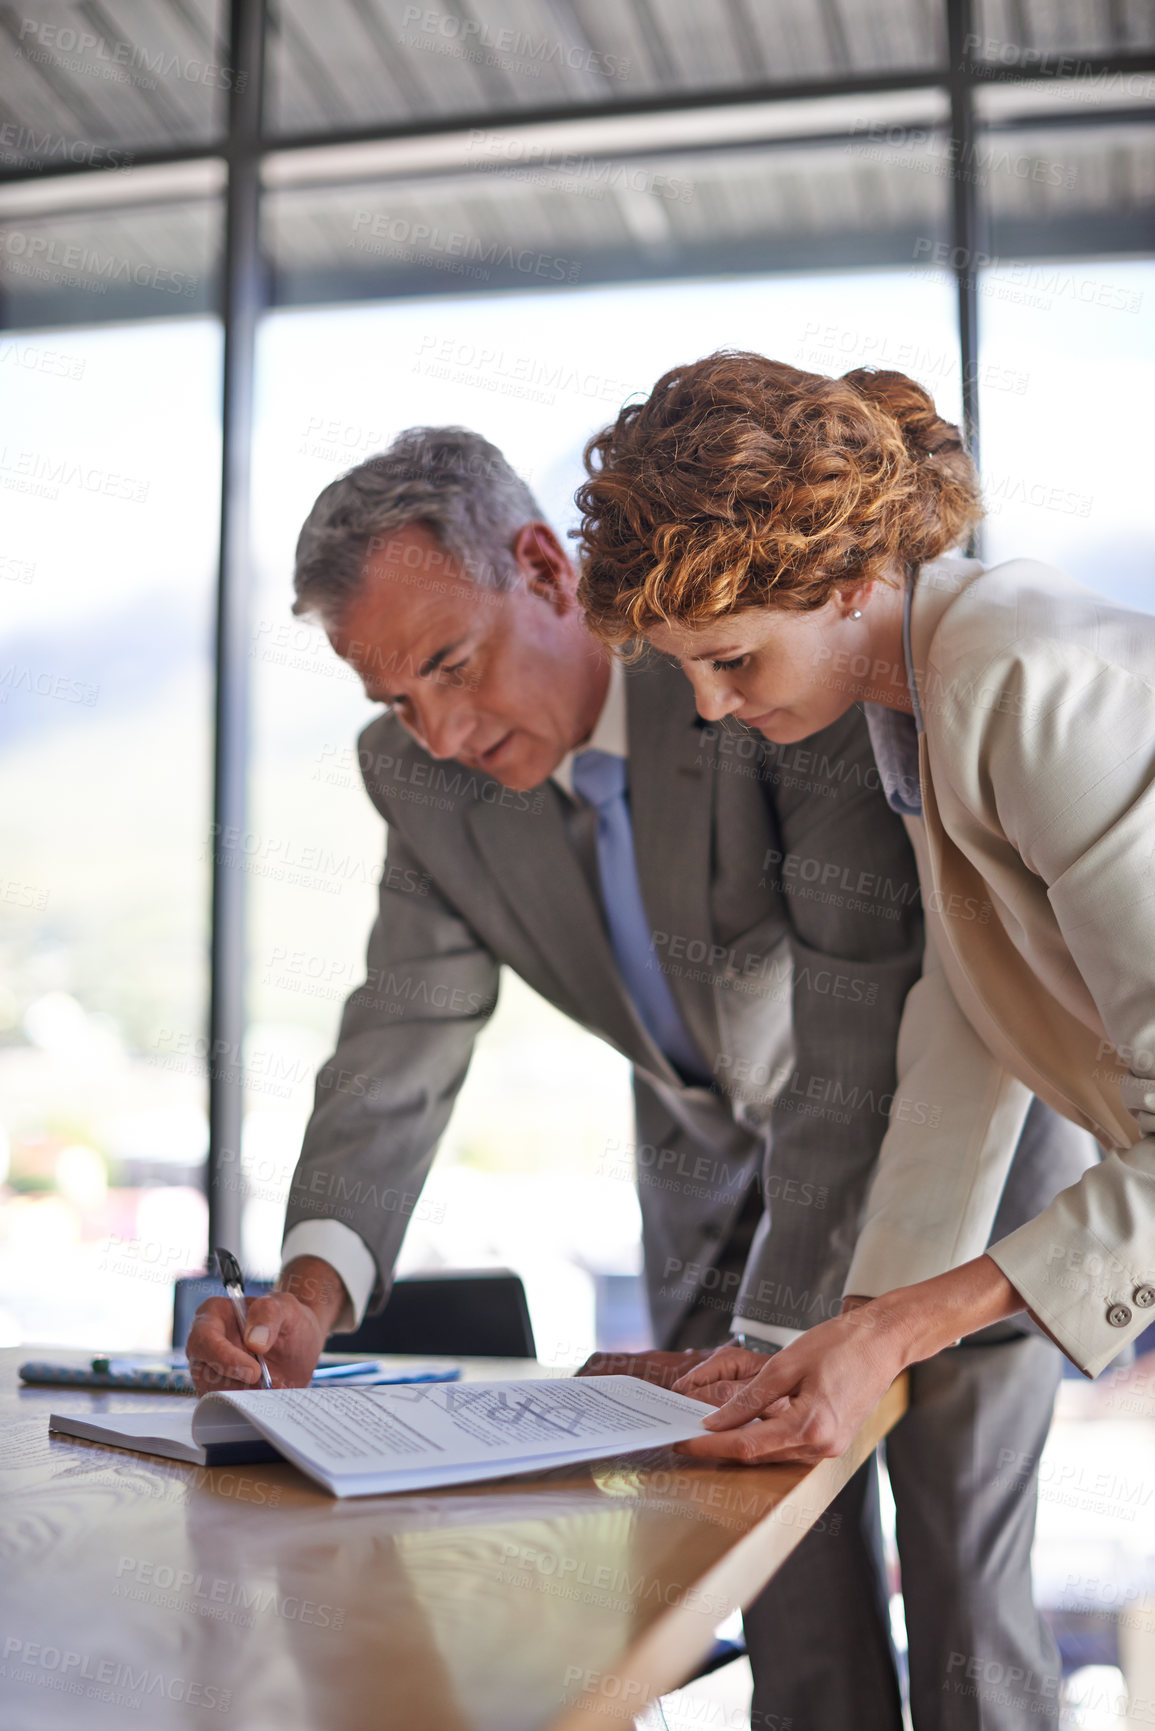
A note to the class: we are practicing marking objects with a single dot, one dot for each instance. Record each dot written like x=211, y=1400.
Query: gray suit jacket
x=784, y=901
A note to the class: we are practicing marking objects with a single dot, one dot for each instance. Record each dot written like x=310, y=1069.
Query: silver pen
x=233, y=1282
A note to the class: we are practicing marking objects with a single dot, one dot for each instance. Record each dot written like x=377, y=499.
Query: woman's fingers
x=728, y=1364
x=718, y=1393
x=755, y=1445
x=753, y=1397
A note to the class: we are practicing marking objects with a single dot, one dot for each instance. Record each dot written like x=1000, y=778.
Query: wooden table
x=141, y=1592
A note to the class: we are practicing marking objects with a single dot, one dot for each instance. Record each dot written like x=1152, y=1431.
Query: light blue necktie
x=600, y=778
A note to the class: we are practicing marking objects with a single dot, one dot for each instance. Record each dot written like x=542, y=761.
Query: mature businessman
x=742, y=923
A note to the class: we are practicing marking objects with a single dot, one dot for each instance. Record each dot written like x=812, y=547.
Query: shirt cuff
x=344, y=1251
x=767, y=1331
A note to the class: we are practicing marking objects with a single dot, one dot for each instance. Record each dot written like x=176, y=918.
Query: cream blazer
x=1036, y=854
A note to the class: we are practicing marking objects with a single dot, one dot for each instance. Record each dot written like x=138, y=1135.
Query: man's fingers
x=265, y=1319
x=217, y=1316
x=209, y=1344
x=214, y=1340
x=215, y=1351
x=211, y=1373
x=597, y=1364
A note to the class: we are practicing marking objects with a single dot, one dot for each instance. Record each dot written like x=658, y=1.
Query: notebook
x=414, y=1436
x=171, y=1376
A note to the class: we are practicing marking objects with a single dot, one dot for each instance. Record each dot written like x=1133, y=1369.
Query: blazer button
x=1144, y=1297
x=1119, y=1315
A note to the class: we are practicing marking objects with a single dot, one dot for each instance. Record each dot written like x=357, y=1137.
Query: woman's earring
x=857, y=613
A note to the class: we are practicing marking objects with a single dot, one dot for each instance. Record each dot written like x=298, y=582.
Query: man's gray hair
x=451, y=480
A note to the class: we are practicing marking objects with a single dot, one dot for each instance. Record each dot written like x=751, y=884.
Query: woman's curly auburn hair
x=743, y=482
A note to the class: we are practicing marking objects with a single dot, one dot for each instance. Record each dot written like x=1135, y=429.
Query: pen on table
x=233, y=1282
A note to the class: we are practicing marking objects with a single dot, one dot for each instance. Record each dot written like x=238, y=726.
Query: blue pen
x=233, y=1282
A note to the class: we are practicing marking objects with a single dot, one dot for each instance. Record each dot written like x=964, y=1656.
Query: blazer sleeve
x=1071, y=767
x=884, y=1063
x=955, y=1122
x=406, y=1037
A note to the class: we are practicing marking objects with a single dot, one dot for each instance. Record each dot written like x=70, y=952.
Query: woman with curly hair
x=786, y=537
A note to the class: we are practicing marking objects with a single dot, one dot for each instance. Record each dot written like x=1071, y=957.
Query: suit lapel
x=533, y=865
x=936, y=586
x=672, y=766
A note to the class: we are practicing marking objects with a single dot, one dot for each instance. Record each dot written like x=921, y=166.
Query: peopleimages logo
x=456, y=248
x=480, y=43
x=40, y=255
x=98, y=1677
x=22, y=144
x=114, y=59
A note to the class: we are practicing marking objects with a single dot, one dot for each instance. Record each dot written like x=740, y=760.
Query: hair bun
x=924, y=432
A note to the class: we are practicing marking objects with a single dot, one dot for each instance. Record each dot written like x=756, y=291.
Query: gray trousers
x=963, y=1466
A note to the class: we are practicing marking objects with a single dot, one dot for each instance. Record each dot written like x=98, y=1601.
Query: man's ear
x=546, y=566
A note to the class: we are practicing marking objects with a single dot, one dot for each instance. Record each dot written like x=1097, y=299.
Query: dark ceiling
x=759, y=167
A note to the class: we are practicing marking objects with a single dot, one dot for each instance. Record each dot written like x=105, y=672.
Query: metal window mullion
x=243, y=296
x=966, y=216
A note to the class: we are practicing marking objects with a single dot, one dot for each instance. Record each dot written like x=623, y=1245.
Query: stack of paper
x=365, y=1441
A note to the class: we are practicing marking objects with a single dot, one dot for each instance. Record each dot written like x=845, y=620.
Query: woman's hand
x=811, y=1398
x=721, y=1374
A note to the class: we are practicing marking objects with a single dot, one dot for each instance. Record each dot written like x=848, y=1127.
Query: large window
x=110, y=502
x=1069, y=371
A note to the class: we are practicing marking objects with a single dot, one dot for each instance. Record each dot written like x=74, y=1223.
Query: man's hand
x=664, y=1368
x=810, y=1398
x=288, y=1328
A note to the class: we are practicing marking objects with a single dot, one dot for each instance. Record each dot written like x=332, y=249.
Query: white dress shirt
x=609, y=730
